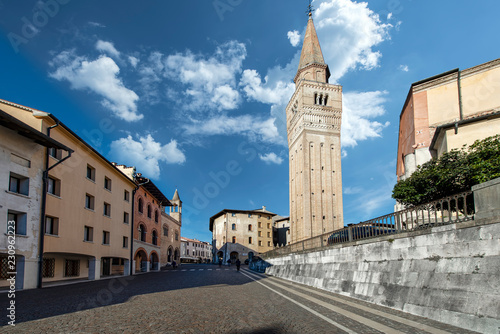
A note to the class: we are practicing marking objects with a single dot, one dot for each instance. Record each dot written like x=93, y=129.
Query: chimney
x=263, y=208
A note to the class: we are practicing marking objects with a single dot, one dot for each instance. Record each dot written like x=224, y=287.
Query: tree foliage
x=455, y=171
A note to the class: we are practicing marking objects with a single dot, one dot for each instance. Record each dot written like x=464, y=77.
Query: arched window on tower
x=233, y=227
x=142, y=232
x=234, y=240
x=149, y=211
x=140, y=205
x=325, y=100
x=154, y=238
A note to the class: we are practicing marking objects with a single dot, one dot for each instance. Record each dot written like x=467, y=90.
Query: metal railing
x=453, y=209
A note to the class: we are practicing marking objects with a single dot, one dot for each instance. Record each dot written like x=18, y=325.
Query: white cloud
x=99, y=76
x=96, y=24
x=107, y=47
x=351, y=190
x=133, y=61
x=348, y=31
x=146, y=154
x=209, y=82
x=271, y=158
x=253, y=128
x=357, y=110
x=404, y=68
x=294, y=37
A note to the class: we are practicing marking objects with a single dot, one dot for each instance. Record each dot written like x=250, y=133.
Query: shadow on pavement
x=52, y=301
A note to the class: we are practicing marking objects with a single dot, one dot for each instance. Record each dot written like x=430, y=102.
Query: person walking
x=238, y=264
x=220, y=262
x=229, y=262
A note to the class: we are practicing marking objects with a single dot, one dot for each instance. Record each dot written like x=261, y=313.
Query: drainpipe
x=45, y=179
x=460, y=104
x=132, y=225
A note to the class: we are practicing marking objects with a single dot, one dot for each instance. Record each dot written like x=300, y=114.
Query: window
x=125, y=217
x=107, y=183
x=125, y=242
x=269, y=244
x=48, y=267
x=249, y=215
x=260, y=225
x=107, y=209
x=260, y=233
x=233, y=227
x=268, y=225
x=54, y=186
x=260, y=243
x=234, y=240
x=176, y=235
x=88, y=234
x=149, y=211
x=72, y=268
x=89, y=202
x=19, y=184
x=142, y=233
x=90, y=173
x=249, y=240
x=154, y=238
x=165, y=231
x=126, y=196
x=268, y=234
x=140, y=205
x=55, y=153
x=156, y=216
x=51, y=225
x=19, y=219
x=105, y=237
x=233, y=214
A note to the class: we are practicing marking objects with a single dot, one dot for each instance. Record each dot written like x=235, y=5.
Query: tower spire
x=311, y=55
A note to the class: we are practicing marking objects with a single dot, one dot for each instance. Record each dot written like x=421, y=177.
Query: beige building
x=313, y=123
x=195, y=251
x=447, y=111
x=241, y=234
x=22, y=153
x=85, y=231
x=171, y=232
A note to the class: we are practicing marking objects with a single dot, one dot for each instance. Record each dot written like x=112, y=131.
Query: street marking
x=358, y=318
x=209, y=269
x=319, y=315
x=404, y=321
x=192, y=270
x=201, y=269
x=184, y=270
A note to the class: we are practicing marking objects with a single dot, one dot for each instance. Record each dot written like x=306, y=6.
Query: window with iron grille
x=48, y=267
x=4, y=267
x=72, y=268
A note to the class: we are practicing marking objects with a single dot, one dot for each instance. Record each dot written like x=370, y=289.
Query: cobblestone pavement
x=203, y=299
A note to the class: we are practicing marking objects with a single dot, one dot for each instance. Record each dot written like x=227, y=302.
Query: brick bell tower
x=314, y=116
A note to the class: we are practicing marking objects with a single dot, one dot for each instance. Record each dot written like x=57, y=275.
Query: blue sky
x=193, y=93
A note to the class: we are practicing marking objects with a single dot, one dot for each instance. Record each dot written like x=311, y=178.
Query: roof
x=194, y=240
x=37, y=112
x=153, y=190
x=237, y=211
x=27, y=131
x=311, y=50
x=176, y=196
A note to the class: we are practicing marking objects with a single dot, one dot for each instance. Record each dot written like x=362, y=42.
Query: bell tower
x=314, y=116
x=176, y=209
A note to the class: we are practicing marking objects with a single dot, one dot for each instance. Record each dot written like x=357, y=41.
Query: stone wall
x=448, y=273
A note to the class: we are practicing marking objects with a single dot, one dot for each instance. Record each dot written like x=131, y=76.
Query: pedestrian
x=220, y=262
x=174, y=264
x=238, y=263
x=229, y=262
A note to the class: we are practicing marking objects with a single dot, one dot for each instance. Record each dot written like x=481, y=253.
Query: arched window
x=233, y=227
x=156, y=216
x=249, y=227
x=234, y=240
x=140, y=204
x=154, y=238
x=149, y=211
x=142, y=232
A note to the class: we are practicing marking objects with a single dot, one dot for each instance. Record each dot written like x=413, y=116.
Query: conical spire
x=176, y=196
x=311, y=51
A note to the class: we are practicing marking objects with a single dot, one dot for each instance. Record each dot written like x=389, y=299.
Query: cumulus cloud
x=146, y=154
x=99, y=76
x=133, y=61
x=294, y=37
x=271, y=158
x=404, y=68
x=256, y=129
x=348, y=32
x=357, y=111
x=107, y=47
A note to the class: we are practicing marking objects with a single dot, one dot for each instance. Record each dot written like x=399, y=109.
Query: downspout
x=460, y=104
x=45, y=179
x=132, y=226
